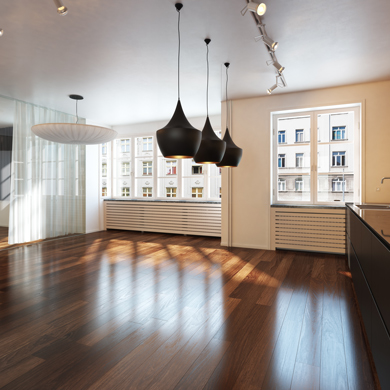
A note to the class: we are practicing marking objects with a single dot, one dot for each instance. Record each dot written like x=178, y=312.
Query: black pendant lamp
x=233, y=153
x=178, y=139
x=212, y=148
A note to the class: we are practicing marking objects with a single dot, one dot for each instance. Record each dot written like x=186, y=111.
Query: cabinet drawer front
x=380, y=346
x=362, y=291
x=380, y=279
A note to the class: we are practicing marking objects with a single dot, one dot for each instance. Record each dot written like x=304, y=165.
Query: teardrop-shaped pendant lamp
x=212, y=148
x=178, y=139
x=233, y=153
x=74, y=133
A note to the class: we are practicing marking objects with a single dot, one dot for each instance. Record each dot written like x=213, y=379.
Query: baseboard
x=247, y=246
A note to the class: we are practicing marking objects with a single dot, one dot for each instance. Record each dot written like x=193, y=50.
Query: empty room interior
x=194, y=195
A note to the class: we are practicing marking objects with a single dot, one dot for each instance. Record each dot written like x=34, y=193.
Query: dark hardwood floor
x=121, y=310
x=3, y=237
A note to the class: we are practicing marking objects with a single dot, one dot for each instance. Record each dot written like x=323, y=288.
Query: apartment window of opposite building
x=104, y=149
x=104, y=169
x=197, y=192
x=125, y=192
x=170, y=167
x=281, y=185
x=125, y=145
x=125, y=169
x=220, y=192
x=281, y=137
x=338, y=133
x=171, y=192
x=299, y=160
x=299, y=185
x=197, y=169
x=147, y=192
x=299, y=135
x=104, y=191
x=147, y=144
x=338, y=185
x=147, y=167
x=323, y=172
x=338, y=159
x=281, y=160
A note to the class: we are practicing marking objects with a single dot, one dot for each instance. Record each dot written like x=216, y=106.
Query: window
x=197, y=169
x=220, y=192
x=146, y=168
x=197, y=192
x=338, y=185
x=298, y=135
x=104, y=169
x=281, y=185
x=126, y=191
x=171, y=192
x=299, y=160
x=104, y=149
x=281, y=160
x=338, y=159
x=170, y=167
x=125, y=169
x=125, y=145
x=147, y=144
x=281, y=136
x=147, y=192
x=324, y=172
x=299, y=184
x=338, y=133
x=104, y=191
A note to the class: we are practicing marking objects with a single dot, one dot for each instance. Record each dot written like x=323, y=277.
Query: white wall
x=250, y=182
x=4, y=213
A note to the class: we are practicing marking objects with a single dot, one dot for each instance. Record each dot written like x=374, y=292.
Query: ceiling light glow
x=61, y=9
x=1, y=32
x=270, y=90
x=254, y=7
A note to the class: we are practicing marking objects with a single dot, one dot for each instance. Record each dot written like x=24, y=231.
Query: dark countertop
x=378, y=221
x=308, y=206
x=163, y=201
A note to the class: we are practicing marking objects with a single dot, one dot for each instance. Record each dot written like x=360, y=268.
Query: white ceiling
x=121, y=55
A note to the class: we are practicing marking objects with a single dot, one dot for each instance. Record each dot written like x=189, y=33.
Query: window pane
x=335, y=165
x=293, y=159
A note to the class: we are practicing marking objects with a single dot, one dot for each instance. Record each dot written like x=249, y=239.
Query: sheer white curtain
x=47, y=180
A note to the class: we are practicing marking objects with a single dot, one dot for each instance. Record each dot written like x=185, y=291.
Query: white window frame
x=125, y=145
x=169, y=165
x=339, y=183
x=149, y=168
x=149, y=194
x=197, y=192
x=171, y=192
x=104, y=169
x=147, y=144
x=299, y=160
x=284, y=136
x=125, y=168
x=339, y=154
x=114, y=181
x=343, y=130
x=281, y=185
x=124, y=192
x=301, y=133
x=313, y=113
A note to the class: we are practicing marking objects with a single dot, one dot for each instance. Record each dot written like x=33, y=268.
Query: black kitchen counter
x=378, y=221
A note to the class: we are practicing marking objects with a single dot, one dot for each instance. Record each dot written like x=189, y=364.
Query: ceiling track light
x=268, y=41
x=1, y=32
x=276, y=64
x=233, y=153
x=276, y=85
x=178, y=139
x=260, y=9
x=212, y=148
x=61, y=9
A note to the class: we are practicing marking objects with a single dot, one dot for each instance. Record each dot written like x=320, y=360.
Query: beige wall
x=250, y=182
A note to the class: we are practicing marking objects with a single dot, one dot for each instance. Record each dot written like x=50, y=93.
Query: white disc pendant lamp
x=212, y=148
x=178, y=139
x=74, y=133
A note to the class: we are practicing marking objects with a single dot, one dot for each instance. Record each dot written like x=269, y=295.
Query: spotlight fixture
x=270, y=42
x=254, y=7
x=278, y=67
x=74, y=133
x=212, y=148
x=178, y=139
x=233, y=153
x=1, y=32
x=61, y=9
x=270, y=90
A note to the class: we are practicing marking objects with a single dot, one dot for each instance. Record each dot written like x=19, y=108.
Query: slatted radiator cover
x=203, y=219
x=316, y=230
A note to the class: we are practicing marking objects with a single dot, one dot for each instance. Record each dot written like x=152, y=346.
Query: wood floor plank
x=122, y=310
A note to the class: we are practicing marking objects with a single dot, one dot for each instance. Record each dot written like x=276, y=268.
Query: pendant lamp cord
x=207, y=93
x=178, y=58
x=227, y=102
